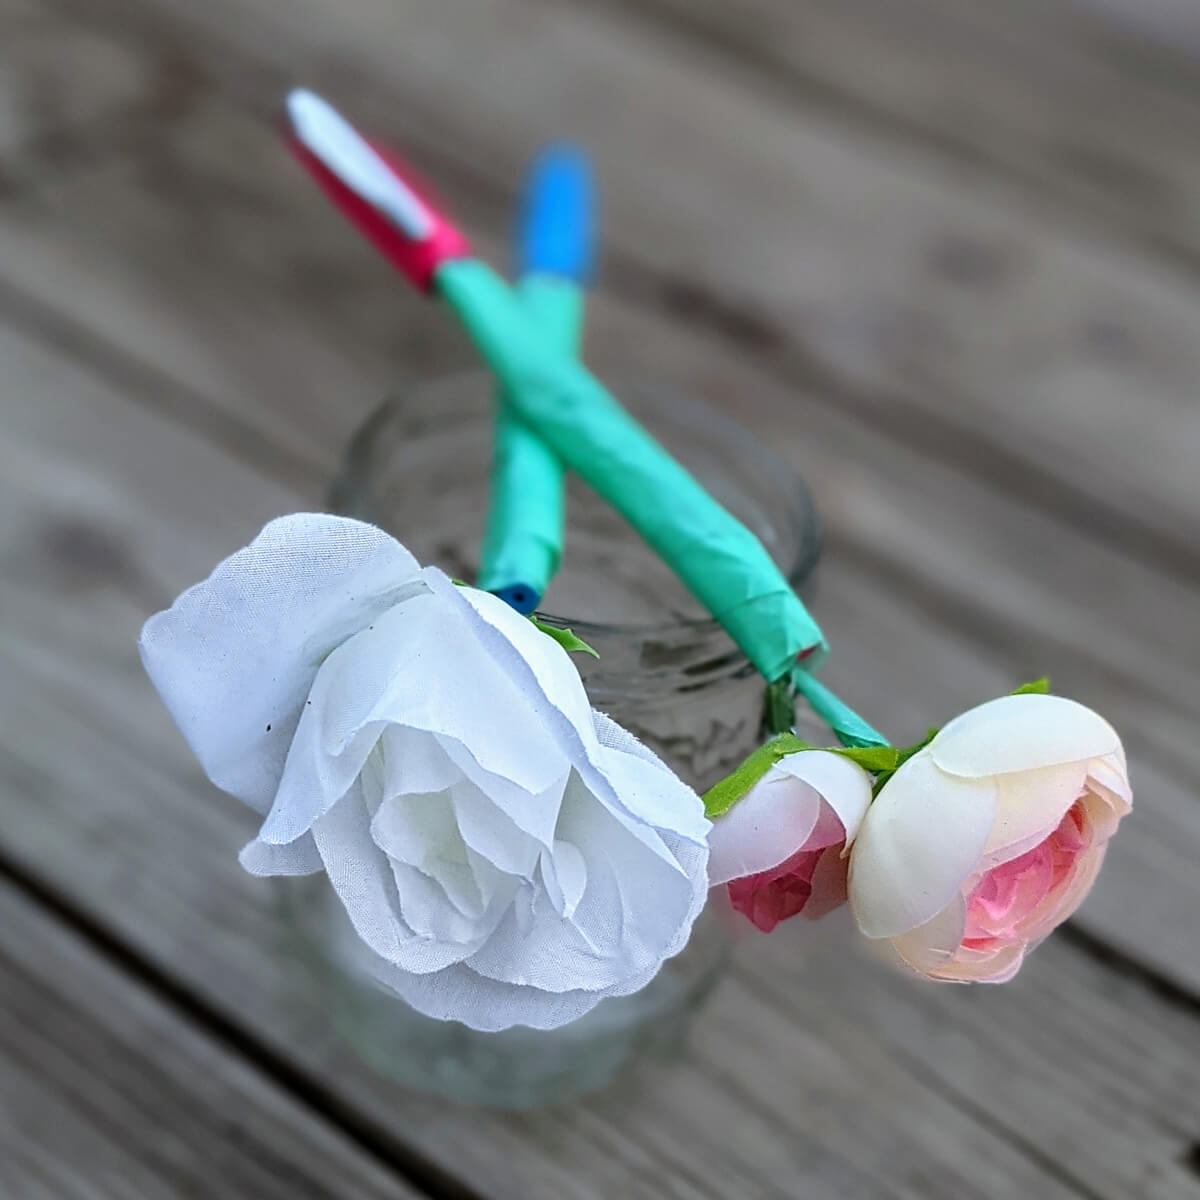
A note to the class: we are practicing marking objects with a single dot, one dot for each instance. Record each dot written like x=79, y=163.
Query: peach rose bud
x=990, y=837
x=782, y=848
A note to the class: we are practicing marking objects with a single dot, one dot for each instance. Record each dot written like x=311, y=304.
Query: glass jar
x=419, y=468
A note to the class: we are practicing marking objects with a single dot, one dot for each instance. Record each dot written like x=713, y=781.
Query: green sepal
x=566, y=638
x=779, y=706
x=722, y=796
x=1035, y=687
x=902, y=756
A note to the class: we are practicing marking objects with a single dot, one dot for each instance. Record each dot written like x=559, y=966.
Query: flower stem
x=849, y=728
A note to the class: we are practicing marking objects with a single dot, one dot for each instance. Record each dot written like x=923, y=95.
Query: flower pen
x=527, y=511
x=716, y=557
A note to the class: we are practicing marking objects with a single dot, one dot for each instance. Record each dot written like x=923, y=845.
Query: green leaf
x=1036, y=687
x=566, y=638
x=871, y=758
x=722, y=796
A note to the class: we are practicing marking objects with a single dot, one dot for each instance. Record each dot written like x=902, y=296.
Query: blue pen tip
x=557, y=230
x=519, y=596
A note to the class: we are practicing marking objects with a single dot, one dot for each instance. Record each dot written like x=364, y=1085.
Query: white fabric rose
x=508, y=856
x=990, y=836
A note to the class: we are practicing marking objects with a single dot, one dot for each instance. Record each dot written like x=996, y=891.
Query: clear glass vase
x=419, y=468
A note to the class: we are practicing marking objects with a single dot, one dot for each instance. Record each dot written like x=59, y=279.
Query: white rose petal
x=929, y=947
x=365, y=881
x=526, y=648
x=1022, y=733
x=1108, y=779
x=974, y=966
x=779, y=813
x=407, y=670
x=841, y=783
x=300, y=857
x=233, y=657
x=920, y=840
x=1030, y=804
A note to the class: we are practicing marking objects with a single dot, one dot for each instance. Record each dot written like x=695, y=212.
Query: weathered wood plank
x=125, y=825
x=106, y=1091
x=962, y=315
x=58, y=84
x=1060, y=98
x=170, y=259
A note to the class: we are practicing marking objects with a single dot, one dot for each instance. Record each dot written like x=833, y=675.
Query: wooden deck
x=945, y=252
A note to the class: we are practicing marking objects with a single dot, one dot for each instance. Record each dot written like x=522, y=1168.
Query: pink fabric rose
x=990, y=837
x=782, y=848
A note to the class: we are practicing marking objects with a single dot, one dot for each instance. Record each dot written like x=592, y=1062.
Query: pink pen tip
x=373, y=188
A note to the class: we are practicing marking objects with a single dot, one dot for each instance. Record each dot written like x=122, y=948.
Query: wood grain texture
x=946, y=305
x=1049, y=96
x=188, y=337
x=106, y=1091
x=57, y=83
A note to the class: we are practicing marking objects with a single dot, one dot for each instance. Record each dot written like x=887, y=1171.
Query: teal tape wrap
x=719, y=559
x=527, y=512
